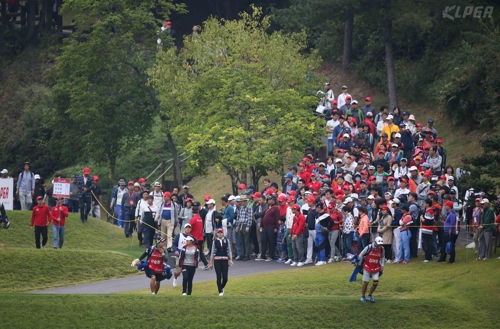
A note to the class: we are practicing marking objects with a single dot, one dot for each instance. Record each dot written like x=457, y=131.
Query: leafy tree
x=248, y=108
x=103, y=100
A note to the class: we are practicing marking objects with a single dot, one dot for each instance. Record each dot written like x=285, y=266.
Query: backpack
x=22, y=175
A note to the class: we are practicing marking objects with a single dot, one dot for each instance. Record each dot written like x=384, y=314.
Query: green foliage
x=102, y=101
x=247, y=90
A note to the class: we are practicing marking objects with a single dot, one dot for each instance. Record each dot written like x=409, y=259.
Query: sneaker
x=288, y=262
x=174, y=282
x=363, y=299
x=238, y=258
x=300, y=264
x=206, y=268
x=331, y=260
x=55, y=247
x=370, y=298
x=308, y=262
x=153, y=293
x=388, y=261
x=395, y=262
x=344, y=260
x=483, y=258
x=258, y=259
x=320, y=263
x=404, y=262
x=293, y=264
x=268, y=259
x=43, y=247
x=425, y=261
x=221, y=294
x=258, y=255
x=184, y=294
x=451, y=262
x=280, y=260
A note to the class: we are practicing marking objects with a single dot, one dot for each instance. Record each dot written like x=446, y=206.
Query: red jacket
x=55, y=215
x=299, y=224
x=40, y=216
x=283, y=209
x=370, y=125
x=316, y=186
x=337, y=219
x=306, y=176
x=196, y=227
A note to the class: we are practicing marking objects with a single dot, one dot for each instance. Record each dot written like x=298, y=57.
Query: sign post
x=61, y=188
x=7, y=193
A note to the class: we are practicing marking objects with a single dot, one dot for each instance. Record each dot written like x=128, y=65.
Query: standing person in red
x=308, y=166
x=314, y=185
x=40, y=219
x=303, y=173
x=297, y=233
x=374, y=264
x=197, y=231
x=58, y=214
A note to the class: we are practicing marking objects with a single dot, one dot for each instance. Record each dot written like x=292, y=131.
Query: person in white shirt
x=403, y=189
x=342, y=96
x=330, y=126
x=141, y=204
x=329, y=97
x=402, y=170
x=157, y=194
x=117, y=200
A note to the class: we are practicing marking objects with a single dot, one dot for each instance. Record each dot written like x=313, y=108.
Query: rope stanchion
x=157, y=167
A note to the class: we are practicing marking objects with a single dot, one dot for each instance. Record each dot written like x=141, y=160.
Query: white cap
x=344, y=87
x=413, y=168
x=346, y=135
x=307, y=193
x=348, y=178
x=397, y=135
x=156, y=184
x=371, y=197
x=379, y=240
x=390, y=117
x=338, y=160
x=137, y=184
x=189, y=238
x=37, y=176
x=371, y=167
x=5, y=171
x=237, y=198
x=394, y=145
x=211, y=201
x=396, y=200
x=231, y=198
x=485, y=201
x=354, y=196
x=185, y=186
x=347, y=200
x=354, y=102
x=411, y=117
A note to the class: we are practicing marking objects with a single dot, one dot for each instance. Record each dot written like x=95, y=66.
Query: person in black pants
x=188, y=261
x=221, y=258
x=269, y=228
x=40, y=219
x=85, y=184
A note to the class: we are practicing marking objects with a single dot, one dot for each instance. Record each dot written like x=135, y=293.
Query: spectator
x=26, y=187
x=486, y=229
x=85, y=184
x=341, y=100
x=96, y=199
x=40, y=219
x=58, y=215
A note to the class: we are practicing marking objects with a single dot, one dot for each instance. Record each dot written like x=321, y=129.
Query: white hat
x=237, y=198
x=411, y=117
x=189, y=238
x=348, y=178
x=395, y=145
x=354, y=102
x=37, y=176
x=344, y=87
x=347, y=200
x=354, y=196
x=307, y=192
x=156, y=184
x=371, y=167
x=369, y=114
x=185, y=186
x=346, y=135
x=211, y=201
x=390, y=117
x=379, y=240
x=396, y=200
x=485, y=201
x=397, y=135
x=413, y=168
x=371, y=197
x=231, y=198
x=338, y=160
x=137, y=184
x=5, y=171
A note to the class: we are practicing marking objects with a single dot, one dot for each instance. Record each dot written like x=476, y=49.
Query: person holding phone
x=221, y=258
x=58, y=215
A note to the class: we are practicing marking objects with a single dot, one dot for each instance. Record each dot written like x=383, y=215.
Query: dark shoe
x=126, y=235
x=245, y=259
x=441, y=261
x=450, y=262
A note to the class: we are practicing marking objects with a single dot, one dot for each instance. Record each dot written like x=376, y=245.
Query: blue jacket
x=346, y=145
x=407, y=141
x=450, y=222
x=229, y=214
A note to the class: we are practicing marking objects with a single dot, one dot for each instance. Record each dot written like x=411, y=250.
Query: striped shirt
x=245, y=216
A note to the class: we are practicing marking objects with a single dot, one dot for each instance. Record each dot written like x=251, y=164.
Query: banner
x=61, y=187
x=7, y=193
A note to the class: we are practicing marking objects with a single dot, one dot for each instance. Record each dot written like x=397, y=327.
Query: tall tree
x=248, y=96
x=104, y=102
x=389, y=59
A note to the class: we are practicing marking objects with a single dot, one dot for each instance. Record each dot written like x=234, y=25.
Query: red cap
x=242, y=186
x=219, y=230
x=313, y=174
x=334, y=102
x=96, y=178
x=427, y=173
x=339, y=196
x=348, y=97
x=295, y=207
x=130, y=182
x=167, y=194
x=384, y=207
x=291, y=199
x=331, y=205
x=302, y=164
x=442, y=177
x=168, y=23
x=426, y=147
x=372, y=178
x=282, y=198
x=86, y=170
x=391, y=178
x=449, y=204
x=346, y=188
x=379, y=152
x=257, y=195
x=325, y=177
x=269, y=191
x=342, y=117
x=189, y=199
x=368, y=99
x=364, y=172
x=306, y=159
x=419, y=125
x=292, y=192
x=439, y=140
x=207, y=197
x=311, y=199
x=352, y=120
x=39, y=198
x=315, y=193
x=432, y=192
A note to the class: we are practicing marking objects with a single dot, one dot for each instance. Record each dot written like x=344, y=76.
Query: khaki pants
x=167, y=229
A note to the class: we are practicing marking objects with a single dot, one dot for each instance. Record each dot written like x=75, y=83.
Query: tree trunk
x=255, y=178
x=234, y=183
x=112, y=166
x=176, y=163
x=349, y=22
x=391, y=82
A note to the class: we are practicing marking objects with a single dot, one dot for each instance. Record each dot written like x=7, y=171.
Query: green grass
x=93, y=251
x=462, y=295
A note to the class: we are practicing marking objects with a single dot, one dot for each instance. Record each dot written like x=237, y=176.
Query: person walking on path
x=450, y=232
x=156, y=257
x=486, y=229
x=373, y=265
x=147, y=219
x=26, y=187
x=179, y=243
x=85, y=184
x=188, y=261
x=167, y=218
x=220, y=259
x=40, y=219
x=58, y=215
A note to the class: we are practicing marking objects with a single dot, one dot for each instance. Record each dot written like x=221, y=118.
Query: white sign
x=7, y=193
x=61, y=187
